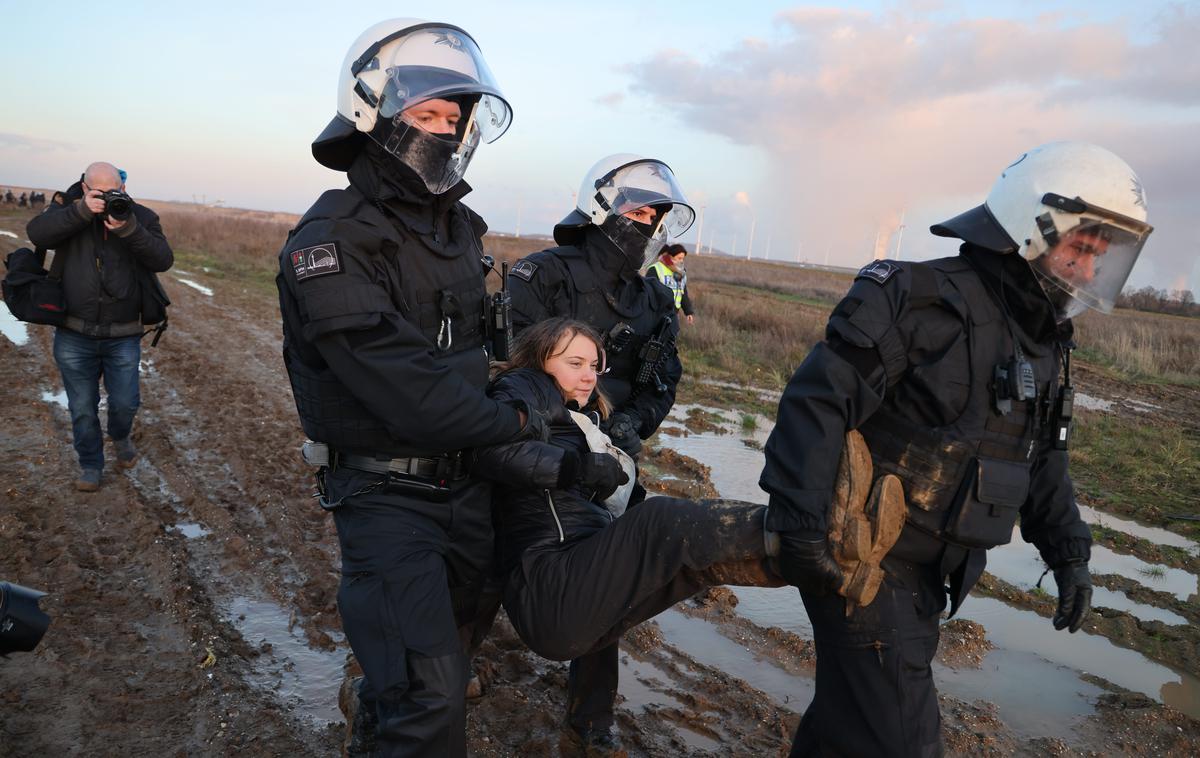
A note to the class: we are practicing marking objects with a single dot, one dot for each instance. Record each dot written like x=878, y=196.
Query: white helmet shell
x=399, y=63
x=1070, y=170
x=1075, y=211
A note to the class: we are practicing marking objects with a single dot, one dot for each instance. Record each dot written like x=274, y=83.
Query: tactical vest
x=666, y=275
x=440, y=292
x=594, y=305
x=966, y=482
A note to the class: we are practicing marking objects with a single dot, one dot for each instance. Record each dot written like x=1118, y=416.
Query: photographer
x=110, y=245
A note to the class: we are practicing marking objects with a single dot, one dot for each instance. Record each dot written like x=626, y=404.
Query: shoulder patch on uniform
x=317, y=260
x=524, y=269
x=878, y=271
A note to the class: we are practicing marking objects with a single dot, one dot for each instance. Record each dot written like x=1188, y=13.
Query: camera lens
x=117, y=205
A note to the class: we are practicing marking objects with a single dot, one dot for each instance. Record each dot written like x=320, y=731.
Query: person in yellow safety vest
x=669, y=270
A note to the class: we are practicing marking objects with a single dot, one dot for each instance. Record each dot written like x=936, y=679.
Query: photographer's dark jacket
x=538, y=502
x=908, y=359
x=381, y=290
x=595, y=283
x=100, y=279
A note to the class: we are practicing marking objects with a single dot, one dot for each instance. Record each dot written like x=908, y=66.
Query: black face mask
x=632, y=238
x=439, y=160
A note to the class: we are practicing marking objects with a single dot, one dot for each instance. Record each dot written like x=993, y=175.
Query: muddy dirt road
x=193, y=597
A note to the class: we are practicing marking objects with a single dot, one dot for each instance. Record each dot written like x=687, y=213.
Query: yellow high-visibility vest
x=664, y=274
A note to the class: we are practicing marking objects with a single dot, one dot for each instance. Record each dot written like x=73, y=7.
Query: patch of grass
x=253, y=274
x=749, y=422
x=1150, y=348
x=1139, y=467
x=1154, y=572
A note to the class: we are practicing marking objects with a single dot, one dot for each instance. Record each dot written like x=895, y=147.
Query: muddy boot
x=592, y=743
x=864, y=522
x=752, y=572
x=126, y=453
x=89, y=480
x=361, y=721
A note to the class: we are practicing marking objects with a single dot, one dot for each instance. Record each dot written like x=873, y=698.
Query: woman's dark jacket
x=539, y=504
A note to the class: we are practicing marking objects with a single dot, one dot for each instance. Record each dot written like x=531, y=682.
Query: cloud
x=867, y=115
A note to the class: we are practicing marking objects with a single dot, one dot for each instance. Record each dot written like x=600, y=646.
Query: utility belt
x=103, y=331
x=428, y=478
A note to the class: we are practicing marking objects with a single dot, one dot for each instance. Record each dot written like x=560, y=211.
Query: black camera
x=117, y=205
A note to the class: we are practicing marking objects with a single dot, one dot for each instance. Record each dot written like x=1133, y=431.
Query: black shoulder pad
x=878, y=271
x=332, y=204
x=524, y=268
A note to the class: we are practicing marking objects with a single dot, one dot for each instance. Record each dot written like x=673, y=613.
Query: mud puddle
x=645, y=687
x=305, y=680
x=1093, y=403
x=191, y=531
x=704, y=643
x=1018, y=563
x=1154, y=534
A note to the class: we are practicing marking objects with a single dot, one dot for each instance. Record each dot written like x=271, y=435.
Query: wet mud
x=193, y=597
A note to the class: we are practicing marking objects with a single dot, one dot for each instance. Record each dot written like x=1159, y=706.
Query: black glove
x=601, y=473
x=806, y=562
x=1074, y=595
x=537, y=426
x=623, y=431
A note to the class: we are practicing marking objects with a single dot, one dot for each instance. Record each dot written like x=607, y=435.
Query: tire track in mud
x=119, y=671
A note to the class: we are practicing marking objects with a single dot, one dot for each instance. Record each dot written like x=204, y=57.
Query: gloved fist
x=1074, y=595
x=623, y=431
x=537, y=425
x=601, y=473
x=806, y=561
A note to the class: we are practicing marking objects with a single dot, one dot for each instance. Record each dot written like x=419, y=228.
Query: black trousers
x=401, y=558
x=575, y=602
x=875, y=693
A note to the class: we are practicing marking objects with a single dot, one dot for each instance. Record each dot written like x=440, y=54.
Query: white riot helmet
x=396, y=65
x=621, y=183
x=1075, y=211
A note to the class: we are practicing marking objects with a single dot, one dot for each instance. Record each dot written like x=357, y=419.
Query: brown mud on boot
x=593, y=743
x=864, y=522
x=474, y=687
x=361, y=723
x=751, y=572
x=126, y=453
x=89, y=480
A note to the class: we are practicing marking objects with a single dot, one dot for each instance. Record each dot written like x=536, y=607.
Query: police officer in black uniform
x=626, y=208
x=957, y=374
x=381, y=288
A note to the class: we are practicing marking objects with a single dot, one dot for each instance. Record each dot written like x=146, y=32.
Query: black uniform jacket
x=538, y=502
x=100, y=278
x=885, y=350
x=595, y=283
x=381, y=291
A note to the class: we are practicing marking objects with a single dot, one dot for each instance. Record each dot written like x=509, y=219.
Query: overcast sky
x=826, y=132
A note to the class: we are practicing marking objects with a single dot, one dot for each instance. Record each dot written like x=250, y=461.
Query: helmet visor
x=1089, y=264
x=441, y=62
x=646, y=183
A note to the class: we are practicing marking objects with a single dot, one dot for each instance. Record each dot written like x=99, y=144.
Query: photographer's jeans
x=83, y=361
